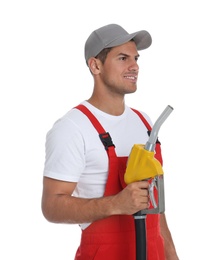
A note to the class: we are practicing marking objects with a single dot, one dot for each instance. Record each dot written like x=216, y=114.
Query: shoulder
x=68, y=127
x=73, y=119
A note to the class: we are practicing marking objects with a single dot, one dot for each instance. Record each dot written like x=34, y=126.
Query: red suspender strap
x=92, y=118
x=112, y=184
x=158, y=154
x=104, y=136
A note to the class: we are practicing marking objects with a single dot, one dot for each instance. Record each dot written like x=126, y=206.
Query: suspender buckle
x=106, y=140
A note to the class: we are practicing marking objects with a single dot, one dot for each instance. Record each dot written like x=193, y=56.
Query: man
x=86, y=155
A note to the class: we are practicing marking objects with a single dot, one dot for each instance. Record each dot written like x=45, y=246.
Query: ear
x=93, y=64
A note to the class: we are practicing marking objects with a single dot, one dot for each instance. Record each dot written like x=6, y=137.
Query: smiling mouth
x=131, y=77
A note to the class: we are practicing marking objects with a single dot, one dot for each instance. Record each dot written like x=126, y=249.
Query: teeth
x=131, y=77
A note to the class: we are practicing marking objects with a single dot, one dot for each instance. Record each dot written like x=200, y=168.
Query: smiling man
x=87, y=151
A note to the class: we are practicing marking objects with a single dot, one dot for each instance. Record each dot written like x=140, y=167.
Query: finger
x=143, y=184
x=144, y=193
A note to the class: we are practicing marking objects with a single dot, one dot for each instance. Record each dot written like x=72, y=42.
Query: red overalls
x=113, y=238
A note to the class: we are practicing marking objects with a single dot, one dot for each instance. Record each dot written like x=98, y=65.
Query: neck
x=113, y=107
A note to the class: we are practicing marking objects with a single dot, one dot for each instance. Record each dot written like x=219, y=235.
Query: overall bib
x=113, y=238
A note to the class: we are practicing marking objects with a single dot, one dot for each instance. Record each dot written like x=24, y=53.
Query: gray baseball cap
x=113, y=35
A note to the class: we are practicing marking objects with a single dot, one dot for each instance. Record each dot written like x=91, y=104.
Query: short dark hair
x=103, y=54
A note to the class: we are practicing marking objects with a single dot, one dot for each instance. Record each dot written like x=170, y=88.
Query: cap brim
x=142, y=39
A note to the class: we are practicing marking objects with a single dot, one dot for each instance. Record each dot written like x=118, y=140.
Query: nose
x=134, y=66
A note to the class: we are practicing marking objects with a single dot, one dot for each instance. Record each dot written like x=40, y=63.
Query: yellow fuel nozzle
x=141, y=165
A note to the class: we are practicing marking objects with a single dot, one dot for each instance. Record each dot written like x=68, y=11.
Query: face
x=119, y=73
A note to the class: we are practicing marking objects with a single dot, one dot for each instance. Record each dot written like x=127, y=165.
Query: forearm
x=170, y=250
x=68, y=209
x=59, y=206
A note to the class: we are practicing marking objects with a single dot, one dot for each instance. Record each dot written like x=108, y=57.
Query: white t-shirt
x=75, y=153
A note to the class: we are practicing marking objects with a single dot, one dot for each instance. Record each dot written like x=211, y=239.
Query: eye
x=136, y=58
x=122, y=58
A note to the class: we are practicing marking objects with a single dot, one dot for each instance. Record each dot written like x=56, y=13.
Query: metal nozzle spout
x=151, y=143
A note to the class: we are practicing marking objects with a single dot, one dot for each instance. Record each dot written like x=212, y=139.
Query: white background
x=43, y=75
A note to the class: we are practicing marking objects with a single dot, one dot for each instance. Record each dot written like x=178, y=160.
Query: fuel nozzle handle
x=151, y=143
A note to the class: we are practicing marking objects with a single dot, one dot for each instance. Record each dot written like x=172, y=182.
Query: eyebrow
x=126, y=55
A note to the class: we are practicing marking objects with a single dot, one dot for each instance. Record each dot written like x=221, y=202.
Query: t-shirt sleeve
x=64, y=151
